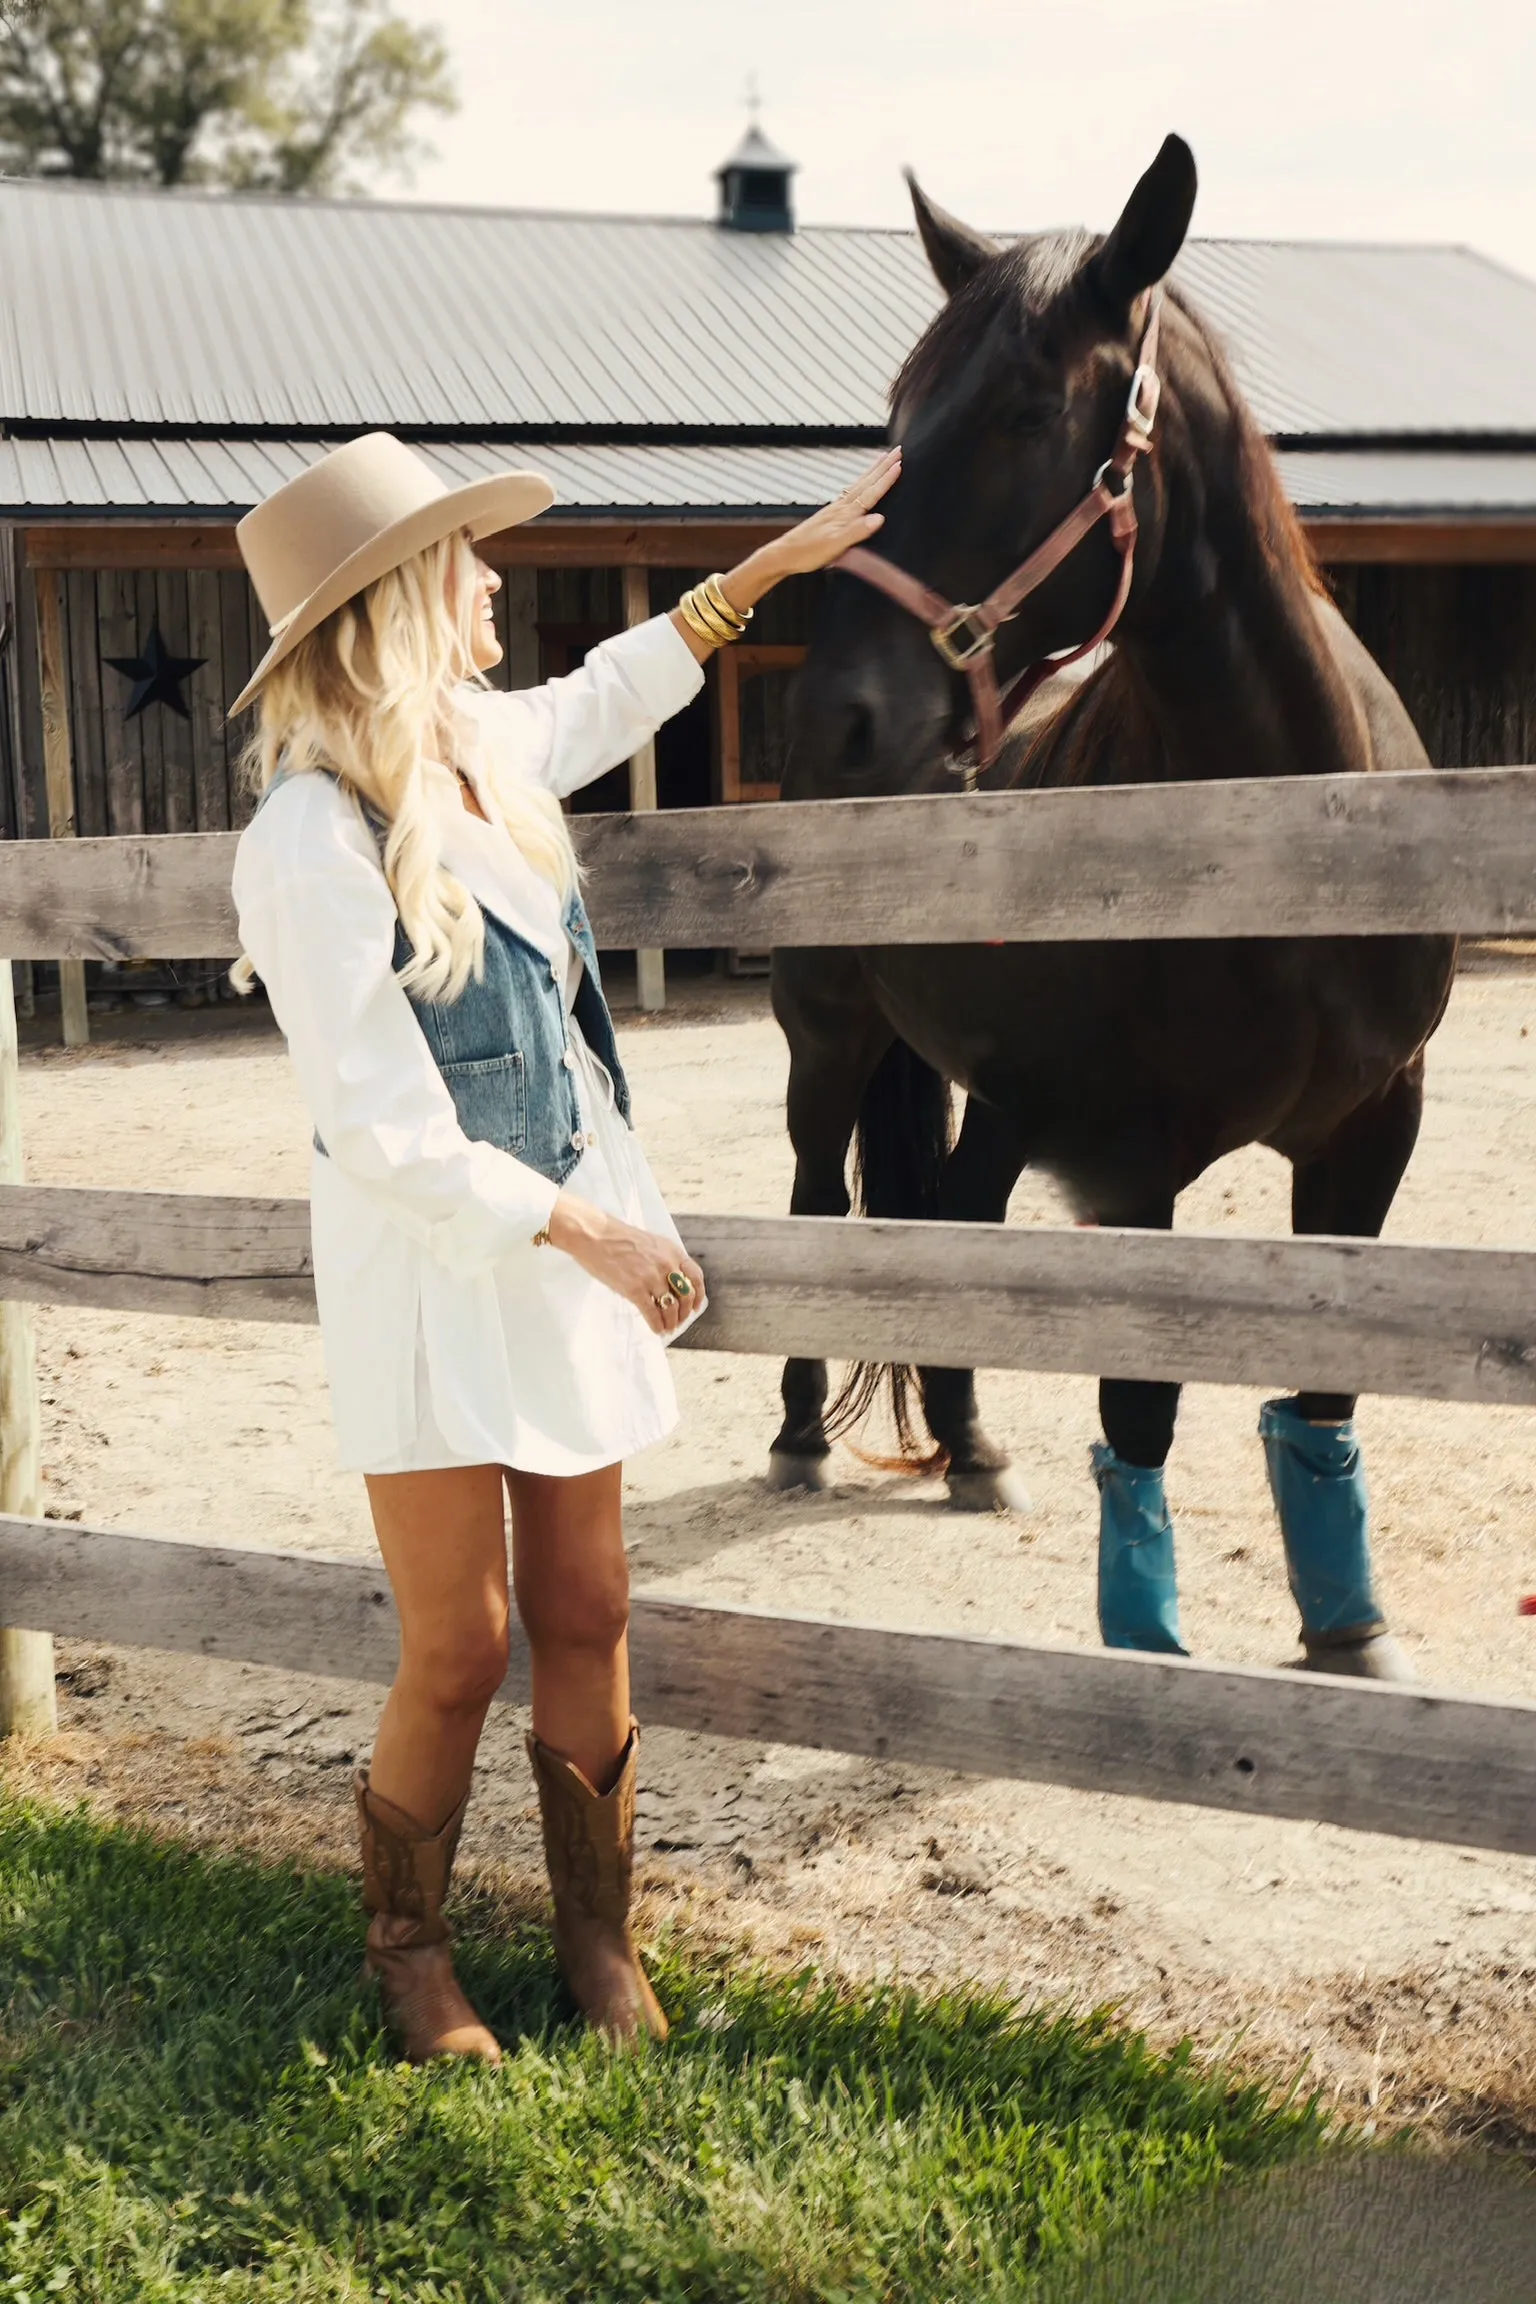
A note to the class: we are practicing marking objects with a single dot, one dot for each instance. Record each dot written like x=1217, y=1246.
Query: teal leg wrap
x=1318, y=1483
x=1138, y=1587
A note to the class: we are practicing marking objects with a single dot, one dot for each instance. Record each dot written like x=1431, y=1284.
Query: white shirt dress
x=451, y=1339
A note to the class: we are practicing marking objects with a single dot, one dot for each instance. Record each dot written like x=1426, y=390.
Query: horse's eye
x=1037, y=412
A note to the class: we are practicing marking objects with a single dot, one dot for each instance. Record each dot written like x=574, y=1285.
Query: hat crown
x=308, y=529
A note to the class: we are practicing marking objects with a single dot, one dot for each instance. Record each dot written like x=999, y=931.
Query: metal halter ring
x=680, y=1285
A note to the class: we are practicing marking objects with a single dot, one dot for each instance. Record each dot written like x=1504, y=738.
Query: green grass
x=196, y=2104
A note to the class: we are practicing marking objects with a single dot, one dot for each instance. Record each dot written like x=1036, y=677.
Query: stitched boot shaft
x=589, y=1842
x=1138, y=1585
x=1318, y=1484
x=406, y=1871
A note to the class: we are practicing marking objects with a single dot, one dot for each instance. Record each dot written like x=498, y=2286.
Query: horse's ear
x=953, y=249
x=1151, y=229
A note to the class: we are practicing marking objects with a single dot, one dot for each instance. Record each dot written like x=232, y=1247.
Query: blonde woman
x=496, y=1271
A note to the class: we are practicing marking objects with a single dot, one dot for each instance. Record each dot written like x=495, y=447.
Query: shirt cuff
x=509, y=1203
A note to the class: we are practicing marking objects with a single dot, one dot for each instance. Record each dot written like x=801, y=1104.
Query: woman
x=496, y=1272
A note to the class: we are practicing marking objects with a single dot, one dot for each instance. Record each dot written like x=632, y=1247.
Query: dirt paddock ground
x=1405, y=1975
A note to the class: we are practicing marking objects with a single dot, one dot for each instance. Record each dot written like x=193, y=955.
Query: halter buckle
x=1141, y=401
x=1127, y=479
x=979, y=641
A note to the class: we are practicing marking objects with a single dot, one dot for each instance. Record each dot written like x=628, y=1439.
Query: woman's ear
x=1151, y=229
x=953, y=249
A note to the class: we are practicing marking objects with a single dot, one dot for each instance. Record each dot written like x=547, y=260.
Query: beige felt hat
x=352, y=517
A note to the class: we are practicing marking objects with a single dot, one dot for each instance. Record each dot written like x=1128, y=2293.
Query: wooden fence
x=1323, y=857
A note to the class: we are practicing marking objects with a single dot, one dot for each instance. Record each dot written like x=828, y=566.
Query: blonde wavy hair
x=369, y=695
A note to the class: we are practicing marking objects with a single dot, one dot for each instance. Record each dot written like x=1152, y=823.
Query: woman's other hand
x=635, y=1264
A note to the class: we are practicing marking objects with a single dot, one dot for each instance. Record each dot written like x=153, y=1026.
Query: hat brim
x=482, y=507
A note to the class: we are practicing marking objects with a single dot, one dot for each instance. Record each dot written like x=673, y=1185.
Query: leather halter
x=966, y=637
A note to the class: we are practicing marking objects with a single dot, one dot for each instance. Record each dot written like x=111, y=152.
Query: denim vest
x=503, y=1047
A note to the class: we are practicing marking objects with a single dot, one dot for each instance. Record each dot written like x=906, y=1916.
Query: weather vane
x=753, y=98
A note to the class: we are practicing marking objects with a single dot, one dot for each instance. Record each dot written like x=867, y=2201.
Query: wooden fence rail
x=1352, y=1315
x=1416, y=1763
x=1324, y=856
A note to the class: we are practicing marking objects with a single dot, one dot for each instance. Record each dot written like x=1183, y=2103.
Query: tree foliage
x=279, y=95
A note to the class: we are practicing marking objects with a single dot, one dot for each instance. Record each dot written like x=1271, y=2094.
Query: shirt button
x=591, y=1138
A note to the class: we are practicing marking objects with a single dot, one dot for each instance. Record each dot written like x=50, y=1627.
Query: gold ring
x=680, y=1285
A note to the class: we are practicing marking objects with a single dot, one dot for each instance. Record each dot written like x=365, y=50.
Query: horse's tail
x=905, y=1134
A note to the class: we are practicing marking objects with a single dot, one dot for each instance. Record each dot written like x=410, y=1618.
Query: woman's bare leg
x=443, y=1537
x=572, y=1585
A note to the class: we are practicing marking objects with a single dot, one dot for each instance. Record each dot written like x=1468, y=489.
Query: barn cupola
x=754, y=187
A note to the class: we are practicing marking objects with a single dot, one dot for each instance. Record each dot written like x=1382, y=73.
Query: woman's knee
x=587, y=1608
x=459, y=1672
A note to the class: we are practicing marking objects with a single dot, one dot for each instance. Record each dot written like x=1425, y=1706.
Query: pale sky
x=1338, y=119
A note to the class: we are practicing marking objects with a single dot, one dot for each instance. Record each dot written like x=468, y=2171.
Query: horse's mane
x=1037, y=281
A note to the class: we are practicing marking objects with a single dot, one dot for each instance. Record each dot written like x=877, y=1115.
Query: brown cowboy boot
x=405, y=1878
x=589, y=1842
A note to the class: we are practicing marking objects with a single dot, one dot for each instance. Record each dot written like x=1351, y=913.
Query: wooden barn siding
x=1458, y=641
x=1459, y=645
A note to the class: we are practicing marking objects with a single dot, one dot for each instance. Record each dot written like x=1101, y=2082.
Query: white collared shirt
x=449, y=1337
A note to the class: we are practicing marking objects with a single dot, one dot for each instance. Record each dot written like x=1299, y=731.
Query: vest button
x=569, y=1059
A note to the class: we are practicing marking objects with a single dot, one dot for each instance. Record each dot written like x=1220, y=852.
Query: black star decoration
x=157, y=675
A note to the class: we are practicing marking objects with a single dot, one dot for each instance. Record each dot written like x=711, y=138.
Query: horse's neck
x=1229, y=650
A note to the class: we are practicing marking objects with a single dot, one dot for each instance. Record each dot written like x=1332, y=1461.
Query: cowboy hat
x=362, y=510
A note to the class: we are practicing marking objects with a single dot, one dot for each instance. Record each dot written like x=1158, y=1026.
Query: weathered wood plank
x=1305, y=856
x=1418, y=1764
x=59, y=775
x=1339, y=1315
x=28, y=1702
x=1377, y=855
x=650, y=960
x=123, y=747
x=205, y=701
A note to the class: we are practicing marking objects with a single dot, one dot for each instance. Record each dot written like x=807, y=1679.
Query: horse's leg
x=1138, y=1580
x=836, y=1038
x=1315, y=1470
x=978, y=1177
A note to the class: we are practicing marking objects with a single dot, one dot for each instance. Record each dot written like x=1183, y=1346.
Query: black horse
x=1123, y=1070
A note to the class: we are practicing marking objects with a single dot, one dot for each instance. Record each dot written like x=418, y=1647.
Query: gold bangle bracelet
x=703, y=618
x=694, y=620
x=714, y=593
x=717, y=610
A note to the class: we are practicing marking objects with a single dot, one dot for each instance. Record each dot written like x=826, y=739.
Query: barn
x=690, y=385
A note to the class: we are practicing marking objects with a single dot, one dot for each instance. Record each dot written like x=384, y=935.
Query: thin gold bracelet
x=541, y=1238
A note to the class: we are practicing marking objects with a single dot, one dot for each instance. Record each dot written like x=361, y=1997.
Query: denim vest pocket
x=490, y=1096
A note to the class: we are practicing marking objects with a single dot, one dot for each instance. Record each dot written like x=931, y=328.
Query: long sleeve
x=573, y=730
x=318, y=922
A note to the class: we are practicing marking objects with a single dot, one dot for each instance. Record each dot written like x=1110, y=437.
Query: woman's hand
x=636, y=1265
x=848, y=520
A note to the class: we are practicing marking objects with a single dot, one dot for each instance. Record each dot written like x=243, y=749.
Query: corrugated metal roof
x=127, y=307
x=141, y=477
x=168, y=475
x=1401, y=484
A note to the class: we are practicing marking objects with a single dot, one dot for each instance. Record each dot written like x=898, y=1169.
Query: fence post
x=650, y=966
x=59, y=771
x=28, y=1705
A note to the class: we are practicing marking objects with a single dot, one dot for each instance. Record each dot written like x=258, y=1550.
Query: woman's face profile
x=485, y=647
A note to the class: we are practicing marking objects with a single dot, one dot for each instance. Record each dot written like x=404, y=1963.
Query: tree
x=283, y=95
